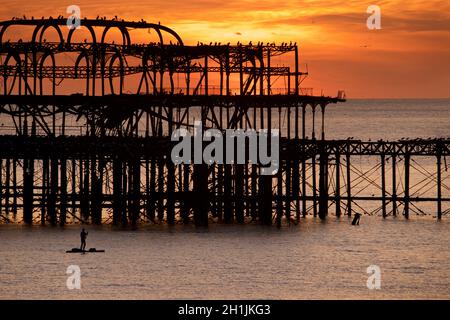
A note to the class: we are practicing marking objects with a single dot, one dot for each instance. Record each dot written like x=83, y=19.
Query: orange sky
x=408, y=58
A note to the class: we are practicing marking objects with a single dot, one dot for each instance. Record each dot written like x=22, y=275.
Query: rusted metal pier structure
x=87, y=120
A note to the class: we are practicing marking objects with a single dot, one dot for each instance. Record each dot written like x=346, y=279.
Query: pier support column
x=254, y=181
x=160, y=190
x=314, y=185
x=323, y=185
x=296, y=188
x=96, y=190
x=228, y=211
x=394, y=185
x=1, y=184
x=349, y=187
x=85, y=190
x=63, y=193
x=51, y=204
x=201, y=195
x=28, y=173
x=151, y=196
x=407, y=167
x=279, y=198
x=265, y=202
x=439, y=185
x=44, y=191
x=7, y=186
x=239, y=192
x=303, y=161
x=185, y=204
x=135, y=190
x=288, y=191
x=383, y=185
x=170, y=193
x=117, y=191
x=338, y=183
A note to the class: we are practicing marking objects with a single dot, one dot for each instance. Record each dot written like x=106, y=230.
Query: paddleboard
x=78, y=250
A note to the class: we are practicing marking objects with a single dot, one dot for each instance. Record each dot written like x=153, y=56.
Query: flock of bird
x=250, y=44
x=116, y=18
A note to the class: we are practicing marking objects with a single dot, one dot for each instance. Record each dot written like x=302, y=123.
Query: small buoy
x=356, y=219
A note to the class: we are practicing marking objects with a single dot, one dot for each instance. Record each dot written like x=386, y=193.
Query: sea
x=392, y=258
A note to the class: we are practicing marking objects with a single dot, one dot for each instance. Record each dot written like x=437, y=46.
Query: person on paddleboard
x=83, y=236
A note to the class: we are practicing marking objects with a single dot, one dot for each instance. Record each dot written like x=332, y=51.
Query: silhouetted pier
x=103, y=155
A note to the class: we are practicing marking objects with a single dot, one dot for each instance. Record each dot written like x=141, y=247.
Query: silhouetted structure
x=104, y=155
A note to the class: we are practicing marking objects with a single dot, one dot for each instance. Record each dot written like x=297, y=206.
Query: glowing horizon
x=407, y=58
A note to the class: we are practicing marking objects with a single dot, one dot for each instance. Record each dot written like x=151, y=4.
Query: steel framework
x=103, y=155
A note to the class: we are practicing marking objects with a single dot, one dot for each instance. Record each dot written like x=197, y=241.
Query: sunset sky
x=408, y=58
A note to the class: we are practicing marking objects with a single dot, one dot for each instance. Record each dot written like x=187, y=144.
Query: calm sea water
x=314, y=260
x=388, y=119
